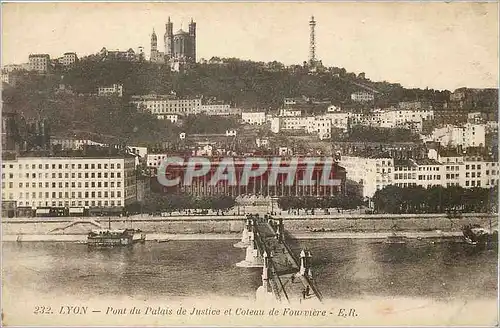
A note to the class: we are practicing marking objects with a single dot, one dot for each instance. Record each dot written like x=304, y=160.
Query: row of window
x=406, y=184
x=60, y=194
x=472, y=175
x=473, y=167
x=66, y=166
x=74, y=203
x=429, y=177
x=400, y=176
x=92, y=184
x=473, y=183
x=404, y=168
x=66, y=175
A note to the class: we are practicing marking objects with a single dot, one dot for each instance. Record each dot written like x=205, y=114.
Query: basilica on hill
x=180, y=47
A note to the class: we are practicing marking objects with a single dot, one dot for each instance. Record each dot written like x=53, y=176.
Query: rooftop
x=426, y=161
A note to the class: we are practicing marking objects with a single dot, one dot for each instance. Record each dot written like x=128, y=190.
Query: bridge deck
x=285, y=278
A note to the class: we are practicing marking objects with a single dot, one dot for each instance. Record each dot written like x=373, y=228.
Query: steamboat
x=115, y=237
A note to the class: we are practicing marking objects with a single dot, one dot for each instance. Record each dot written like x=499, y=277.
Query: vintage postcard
x=250, y=164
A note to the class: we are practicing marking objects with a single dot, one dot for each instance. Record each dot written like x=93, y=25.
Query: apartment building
x=69, y=143
x=114, y=90
x=39, y=62
x=69, y=181
x=154, y=160
x=216, y=110
x=362, y=96
x=254, y=118
x=322, y=126
x=440, y=169
x=174, y=118
x=467, y=135
x=161, y=105
x=68, y=59
x=371, y=173
x=290, y=112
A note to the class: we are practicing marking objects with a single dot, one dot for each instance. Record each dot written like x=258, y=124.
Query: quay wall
x=235, y=224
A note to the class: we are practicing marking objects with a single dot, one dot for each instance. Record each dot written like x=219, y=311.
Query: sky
x=417, y=44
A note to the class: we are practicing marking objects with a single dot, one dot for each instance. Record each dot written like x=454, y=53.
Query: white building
x=174, y=118
x=275, y=125
x=322, y=126
x=5, y=77
x=429, y=173
x=285, y=151
x=16, y=67
x=333, y=109
x=253, y=118
x=70, y=143
x=69, y=181
x=68, y=59
x=362, y=96
x=468, y=135
x=114, y=90
x=405, y=173
x=467, y=171
x=413, y=105
x=166, y=104
x=290, y=112
x=139, y=151
x=216, y=110
x=478, y=171
x=206, y=150
x=39, y=62
x=295, y=122
x=154, y=160
x=491, y=126
x=372, y=173
x=342, y=119
x=264, y=142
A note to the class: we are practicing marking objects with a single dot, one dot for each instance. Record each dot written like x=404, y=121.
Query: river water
x=342, y=269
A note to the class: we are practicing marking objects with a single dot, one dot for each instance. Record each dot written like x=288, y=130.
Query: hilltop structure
x=180, y=47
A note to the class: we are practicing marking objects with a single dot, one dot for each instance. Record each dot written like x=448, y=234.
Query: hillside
x=108, y=120
x=244, y=84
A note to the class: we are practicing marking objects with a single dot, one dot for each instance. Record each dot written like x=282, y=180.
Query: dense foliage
x=436, y=199
x=340, y=202
x=104, y=119
x=63, y=97
x=204, y=124
x=245, y=84
x=156, y=203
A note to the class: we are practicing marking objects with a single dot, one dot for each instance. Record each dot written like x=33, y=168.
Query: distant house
x=39, y=62
x=362, y=96
x=114, y=90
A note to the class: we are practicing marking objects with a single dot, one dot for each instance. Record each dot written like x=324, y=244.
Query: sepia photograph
x=249, y=164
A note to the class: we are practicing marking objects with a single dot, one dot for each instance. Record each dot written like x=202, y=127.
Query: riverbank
x=224, y=225
x=81, y=238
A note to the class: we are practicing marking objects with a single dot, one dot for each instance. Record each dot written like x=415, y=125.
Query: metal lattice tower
x=312, y=42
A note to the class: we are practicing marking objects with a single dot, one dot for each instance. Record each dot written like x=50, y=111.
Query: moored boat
x=476, y=235
x=117, y=237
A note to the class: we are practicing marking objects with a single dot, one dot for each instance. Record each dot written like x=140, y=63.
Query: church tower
x=154, y=47
x=154, y=42
x=168, y=38
x=192, y=34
